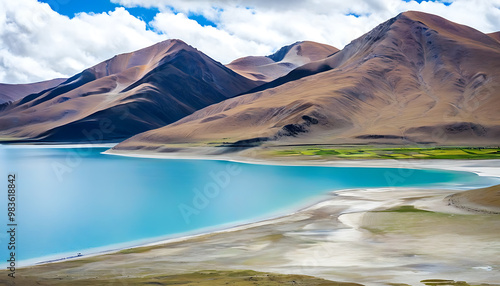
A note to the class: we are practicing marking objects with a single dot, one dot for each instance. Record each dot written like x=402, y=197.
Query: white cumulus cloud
x=258, y=27
x=37, y=43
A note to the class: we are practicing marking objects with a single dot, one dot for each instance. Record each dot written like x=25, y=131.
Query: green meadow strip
x=464, y=153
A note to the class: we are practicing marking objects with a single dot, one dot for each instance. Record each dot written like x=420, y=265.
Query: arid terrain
x=415, y=79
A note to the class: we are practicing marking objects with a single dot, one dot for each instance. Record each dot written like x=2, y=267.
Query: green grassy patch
x=200, y=278
x=442, y=282
x=135, y=250
x=367, y=152
x=406, y=209
x=410, y=221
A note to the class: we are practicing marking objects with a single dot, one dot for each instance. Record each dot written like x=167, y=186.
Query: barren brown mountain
x=13, y=92
x=123, y=96
x=268, y=68
x=415, y=79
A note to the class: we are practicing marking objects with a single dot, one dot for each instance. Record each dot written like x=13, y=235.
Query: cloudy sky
x=41, y=40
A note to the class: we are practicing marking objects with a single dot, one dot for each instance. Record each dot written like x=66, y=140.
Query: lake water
x=72, y=200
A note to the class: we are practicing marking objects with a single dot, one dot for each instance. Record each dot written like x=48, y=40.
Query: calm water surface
x=77, y=200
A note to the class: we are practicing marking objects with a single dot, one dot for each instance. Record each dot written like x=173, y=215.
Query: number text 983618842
x=11, y=224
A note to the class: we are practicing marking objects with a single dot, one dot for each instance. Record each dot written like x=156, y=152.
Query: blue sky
x=446, y=3
x=45, y=39
x=72, y=7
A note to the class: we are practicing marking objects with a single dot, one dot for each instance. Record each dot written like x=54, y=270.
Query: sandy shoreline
x=481, y=167
x=69, y=146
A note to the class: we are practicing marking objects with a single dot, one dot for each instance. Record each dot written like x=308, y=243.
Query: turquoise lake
x=77, y=200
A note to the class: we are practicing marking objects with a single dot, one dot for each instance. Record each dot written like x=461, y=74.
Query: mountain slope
x=282, y=62
x=495, y=36
x=13, y=92
x=123, y=96
x=416, y=78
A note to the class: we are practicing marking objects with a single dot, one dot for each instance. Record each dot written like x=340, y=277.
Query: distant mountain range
x=415, y=79
x=123, y=96
x=286, y=59
x=13, y=92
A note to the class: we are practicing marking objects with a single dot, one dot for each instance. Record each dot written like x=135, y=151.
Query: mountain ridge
x=414, y=79
x=337, y=59
x=495, y=35
x=14, y=92
x=136, y=91
x=287, y=58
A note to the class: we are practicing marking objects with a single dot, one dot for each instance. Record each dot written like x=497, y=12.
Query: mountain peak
x=172, y=43
x=448, y=28
x=312, y=50
x=422, y=16
x=145, y=58
x=281, y=53
x=268, y=68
